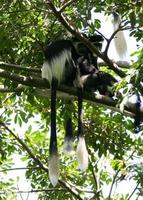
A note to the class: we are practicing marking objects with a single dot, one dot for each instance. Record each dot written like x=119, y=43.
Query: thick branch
x=11, y=90
x=100, y=99
x=9, y=66
x=29, y=81
x=39, y=83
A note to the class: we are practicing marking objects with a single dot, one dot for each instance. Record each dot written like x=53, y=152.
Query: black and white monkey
x=99, y=81
x=121, y=47
x=60, y=67
x=63, y=65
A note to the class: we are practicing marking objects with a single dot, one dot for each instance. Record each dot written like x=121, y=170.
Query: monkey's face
x=81, y=48
x=85, y=67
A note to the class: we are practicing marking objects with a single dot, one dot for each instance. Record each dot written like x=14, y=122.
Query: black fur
x=99, y=81
x=137, y=119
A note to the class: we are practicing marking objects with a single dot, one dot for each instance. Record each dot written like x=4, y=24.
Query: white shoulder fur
x=55, y=68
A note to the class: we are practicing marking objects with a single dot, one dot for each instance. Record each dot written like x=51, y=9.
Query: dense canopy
x=115, y=148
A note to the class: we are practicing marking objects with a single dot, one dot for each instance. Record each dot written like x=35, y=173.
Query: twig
x=114, y=179
x=37, y=191
x=97, y=193
x=120, y=28
x=66, y=5
x=19, y=192
x=18, y=168
x=133, y=191
x=27, y=196
x=72, y=189
x=109, y=41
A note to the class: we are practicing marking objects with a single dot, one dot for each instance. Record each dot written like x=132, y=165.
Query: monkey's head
x=81, y=48
x=99, y=81
x=85, y=67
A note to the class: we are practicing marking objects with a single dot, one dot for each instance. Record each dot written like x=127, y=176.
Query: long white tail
x=119, y=40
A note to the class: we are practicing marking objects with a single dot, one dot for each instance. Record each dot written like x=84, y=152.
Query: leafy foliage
x=115, y=151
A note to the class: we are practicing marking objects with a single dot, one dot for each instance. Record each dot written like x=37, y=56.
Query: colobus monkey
x=136, y=101
x=59, y=67
x=62, y=67
x=119, y=40
x=99, y=81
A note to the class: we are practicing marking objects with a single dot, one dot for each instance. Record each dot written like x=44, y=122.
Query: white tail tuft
x=54, y=171
x=82, y=154
x=68, y=147
x=119, y=40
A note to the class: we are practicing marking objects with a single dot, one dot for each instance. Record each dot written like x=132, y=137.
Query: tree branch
x=29, y=81
x=9, y=66
x=19, y=88
x=18, y=168
x=24, y=146
x=45, y=190
x=133, y=192
x=66, y=5
x=36, y=191
x=94, y=98
x=97, y=190
x=120, y=28
x=113, y=182
x=72, y=189
x=121, y=64
x=109, y=41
